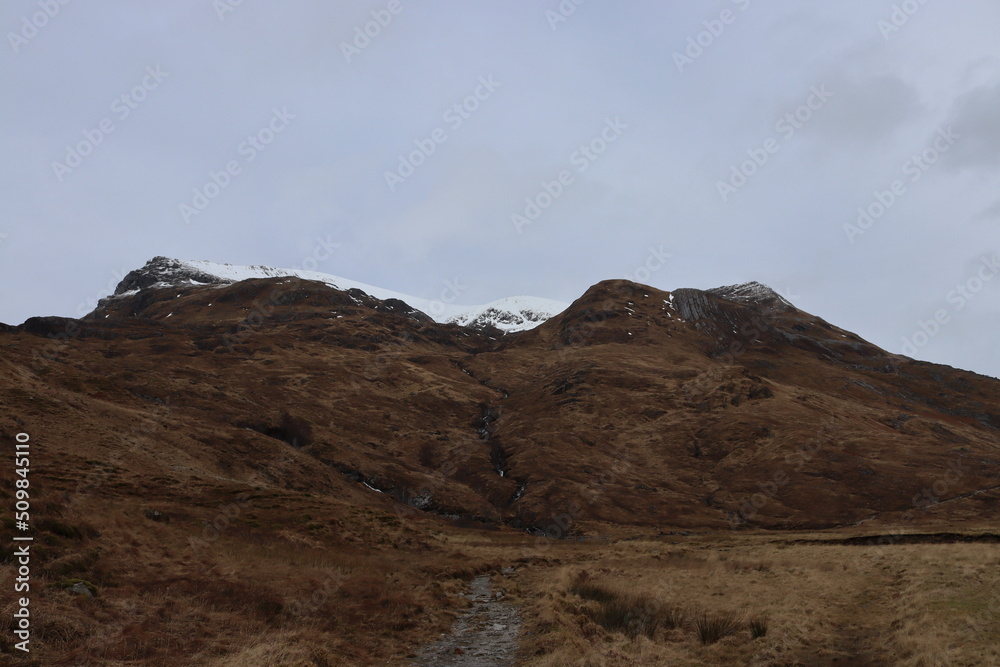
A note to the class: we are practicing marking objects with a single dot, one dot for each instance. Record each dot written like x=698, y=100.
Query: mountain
x=291, y=425
x=509, y=314
x=714, y=401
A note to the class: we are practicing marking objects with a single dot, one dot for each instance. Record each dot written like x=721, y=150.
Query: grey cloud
x=867, y=111
x=656, y=186
x=991, y=212
x=976, y=116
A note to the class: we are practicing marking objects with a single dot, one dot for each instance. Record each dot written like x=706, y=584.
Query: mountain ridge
x=708, y=393
x=508, y=314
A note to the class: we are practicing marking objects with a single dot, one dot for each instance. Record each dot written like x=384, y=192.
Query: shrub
x=713, y=628
x=630, y=614
x=594, y=592
x=673, y=617
x=636, y=616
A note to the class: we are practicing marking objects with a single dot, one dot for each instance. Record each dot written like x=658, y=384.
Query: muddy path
x=485, y=635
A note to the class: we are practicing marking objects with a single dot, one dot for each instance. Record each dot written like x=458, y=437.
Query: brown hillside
x=315, y=421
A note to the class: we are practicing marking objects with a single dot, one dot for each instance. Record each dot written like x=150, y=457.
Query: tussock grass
x=907, y=605
x=620, y=610
x=713, y=627
x=758, y=627
x=589, y=591
x=240, y=595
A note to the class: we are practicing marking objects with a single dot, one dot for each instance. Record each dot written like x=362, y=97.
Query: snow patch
x=516, y=313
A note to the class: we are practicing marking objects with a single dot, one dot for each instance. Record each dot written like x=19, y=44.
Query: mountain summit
x=510, y=314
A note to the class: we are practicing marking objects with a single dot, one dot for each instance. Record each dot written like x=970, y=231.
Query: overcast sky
x=682, y=144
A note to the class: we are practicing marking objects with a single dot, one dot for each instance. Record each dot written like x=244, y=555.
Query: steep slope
x=696, y=409
x=634, y=406
x=236, y=466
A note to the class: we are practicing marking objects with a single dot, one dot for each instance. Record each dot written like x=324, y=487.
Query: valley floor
x=280, y=578
x=809, y=599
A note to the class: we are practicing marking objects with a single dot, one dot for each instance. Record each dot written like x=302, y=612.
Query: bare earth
x=485, y=635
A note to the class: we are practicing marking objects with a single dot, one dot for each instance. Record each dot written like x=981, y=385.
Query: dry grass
x=766, y=601
x=272, y=595
x=372, y=591
x=342, y=585
x=621, y=610
x=758, y=627
x=713, y=627
x=368, y=588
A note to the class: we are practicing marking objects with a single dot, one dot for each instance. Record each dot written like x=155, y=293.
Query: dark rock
x=156, y=515
x=163, y=270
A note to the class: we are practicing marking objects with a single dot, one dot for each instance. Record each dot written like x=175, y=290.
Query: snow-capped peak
x=752, y=291
x=513, y=313
x=517, y=313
